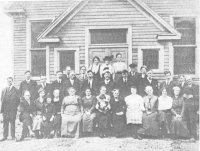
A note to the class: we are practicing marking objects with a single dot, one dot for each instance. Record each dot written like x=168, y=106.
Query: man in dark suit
x=82, y=76
x=107, y=82
x=133, y=74
x=124, y=84
x=29, y=85
x=58, y=83
x=9, y=102
x=71, y=82
x=152, y=82
x=168, y=83
x=141, y=80
x=182, y=83
x=43, y=84
x=91, y=83
x=191, y=107
x=65, y=76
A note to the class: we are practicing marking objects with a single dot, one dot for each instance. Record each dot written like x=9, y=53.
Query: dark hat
x=125, y=71
x=108, y=58
x=106, y=70
x=133, y=65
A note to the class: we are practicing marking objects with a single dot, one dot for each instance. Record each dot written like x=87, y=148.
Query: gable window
x=151, y=56
x=37, y=50
x=184, y=49
x=108, y=36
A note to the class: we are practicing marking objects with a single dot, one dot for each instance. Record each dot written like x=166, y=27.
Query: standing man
x=43, y=84
x=67, y=72
x=118, y=67
x=29, y=85
x=58, y=83
x=82, y=76
x=191, y=107
x=168, y=83
x=9, y=103
x=152, y=82
x=133, y=74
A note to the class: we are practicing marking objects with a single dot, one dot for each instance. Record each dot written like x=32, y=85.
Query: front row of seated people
x=142, y=116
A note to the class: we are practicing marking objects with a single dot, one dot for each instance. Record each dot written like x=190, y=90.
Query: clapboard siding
x=19, y=41
x=96, y=13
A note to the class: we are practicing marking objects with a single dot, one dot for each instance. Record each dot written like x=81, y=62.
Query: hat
x=40, y=90
x=125, y=71
x=133, y=65
x=108, y=58
x=143, y=67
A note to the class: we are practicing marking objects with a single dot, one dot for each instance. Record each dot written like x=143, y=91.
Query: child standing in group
x=48, y=116
x=57, y=119
x=134, y=112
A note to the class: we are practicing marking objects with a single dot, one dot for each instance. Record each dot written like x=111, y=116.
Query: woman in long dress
x=88, y=104
x=71, y=114
x=164, y=110
x=39, y=113
x=150, y=117
x=134, y=112
x=118, y=110
x=179, y=126
x=95, y=68
x=103, y=108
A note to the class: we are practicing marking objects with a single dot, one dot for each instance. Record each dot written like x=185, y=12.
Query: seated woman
x=118, y=109
x=150, y=121
x=39, y=113
x=164, y=110
x=103, y=107
x=134, y=112
x=88, y=104
x=179, y=126
x=71, y=114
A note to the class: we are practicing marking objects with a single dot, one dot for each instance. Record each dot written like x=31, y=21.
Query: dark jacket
x=124, y=87
x=169, y=87
x=154, y=85
x=31, y=87
x=109, y=87
x=134, y=78
x=94, y=88
x=67, y=84
x=141, y=85
x=47, y=88
x=10, y=100
x=56, y=85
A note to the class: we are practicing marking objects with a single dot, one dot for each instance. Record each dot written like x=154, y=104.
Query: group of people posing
x=101, y=99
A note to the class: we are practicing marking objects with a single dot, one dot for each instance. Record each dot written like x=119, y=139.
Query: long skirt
x=70, y=125
x=103, y=121
x=37, y=122
x=150, y=125
x=118, y=123
x=165, y=119
x=88, y=122
x=179, y=127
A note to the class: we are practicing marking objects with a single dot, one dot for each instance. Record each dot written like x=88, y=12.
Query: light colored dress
x=135, y=108
x=71, y=107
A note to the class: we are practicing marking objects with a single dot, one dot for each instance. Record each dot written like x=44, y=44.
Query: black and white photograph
x=99, y=75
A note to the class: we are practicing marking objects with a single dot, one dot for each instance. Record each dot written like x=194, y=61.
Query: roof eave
x=168, y=37
x=49, y=40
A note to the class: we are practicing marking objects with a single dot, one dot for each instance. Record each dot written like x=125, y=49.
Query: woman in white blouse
x=134, y=112
x=165, y=114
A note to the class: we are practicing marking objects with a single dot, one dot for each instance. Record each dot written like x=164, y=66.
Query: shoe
x=3, y=139
x=19, y=140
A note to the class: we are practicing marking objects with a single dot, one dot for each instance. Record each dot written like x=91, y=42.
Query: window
x=37, y=50
x=184, y=49
x=38, y=62
x=152, y=57
x=108, y=36
x=67, y=58
x=36, y=28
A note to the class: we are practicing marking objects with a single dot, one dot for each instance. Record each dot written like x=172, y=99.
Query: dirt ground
x=96, y=144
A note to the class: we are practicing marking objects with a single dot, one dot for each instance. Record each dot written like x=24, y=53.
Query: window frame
x=160, y=54
x=29, y=49
x=196, y=46
x=56, y=58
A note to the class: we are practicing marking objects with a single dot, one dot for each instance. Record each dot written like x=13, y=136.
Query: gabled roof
x=77, y=5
